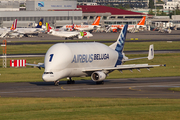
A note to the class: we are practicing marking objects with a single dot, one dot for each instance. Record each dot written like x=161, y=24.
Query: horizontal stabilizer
x=150, y=55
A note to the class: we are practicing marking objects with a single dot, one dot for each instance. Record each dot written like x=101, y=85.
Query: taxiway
x=114, y=88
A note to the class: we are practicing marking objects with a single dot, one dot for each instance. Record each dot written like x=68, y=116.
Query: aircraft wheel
x=100, y=82
x=56, y=83
x=70, y=82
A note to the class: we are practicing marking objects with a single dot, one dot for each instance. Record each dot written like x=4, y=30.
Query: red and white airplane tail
x=48, y=27
x=13, y=27
x=142, y=21
x=96, y=22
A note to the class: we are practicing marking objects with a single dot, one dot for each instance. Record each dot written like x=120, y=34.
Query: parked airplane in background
x=85, y=27
x=30, y=31
x=19, y=32
x=117, y=27
x=9, y=31
x=67, y=34
x=88, y=59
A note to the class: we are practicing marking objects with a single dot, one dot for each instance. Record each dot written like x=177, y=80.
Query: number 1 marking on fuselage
x=51, y=56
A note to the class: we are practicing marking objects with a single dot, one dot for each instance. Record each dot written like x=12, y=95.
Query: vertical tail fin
x=151, y=52
x=121, y=39
x=142, y=21
x=96, y=22
x=40, y=23
x=73, y=26
x=13, y=27
x=48, y=27
x=119, y=45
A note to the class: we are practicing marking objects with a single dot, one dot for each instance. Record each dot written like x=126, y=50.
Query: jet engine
x=98, y=76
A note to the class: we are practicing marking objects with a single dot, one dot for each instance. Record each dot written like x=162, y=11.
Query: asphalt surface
x=142, y=35
x=114, y=88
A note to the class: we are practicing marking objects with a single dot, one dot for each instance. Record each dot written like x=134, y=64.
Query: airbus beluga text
x=88, y=59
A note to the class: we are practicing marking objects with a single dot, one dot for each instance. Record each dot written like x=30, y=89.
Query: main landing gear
x=56, y=83
x=70, y=81
x=100, y=82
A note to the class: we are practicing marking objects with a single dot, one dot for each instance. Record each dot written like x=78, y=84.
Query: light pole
x=155, y=7
x=4, y=53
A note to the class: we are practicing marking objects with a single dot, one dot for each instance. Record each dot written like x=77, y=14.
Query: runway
x=113, y=88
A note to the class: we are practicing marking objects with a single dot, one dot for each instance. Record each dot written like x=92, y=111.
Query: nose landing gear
x=56, y=83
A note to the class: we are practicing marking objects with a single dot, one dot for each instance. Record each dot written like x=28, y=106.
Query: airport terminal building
x=50, y=11
x=60, y=12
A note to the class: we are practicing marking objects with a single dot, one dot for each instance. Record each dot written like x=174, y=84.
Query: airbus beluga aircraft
x=88, y=59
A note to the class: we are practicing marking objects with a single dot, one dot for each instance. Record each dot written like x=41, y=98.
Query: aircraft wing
x=124, y=67
x=4, y=34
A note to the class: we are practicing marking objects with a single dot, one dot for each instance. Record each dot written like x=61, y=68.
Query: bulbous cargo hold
x=70, y=59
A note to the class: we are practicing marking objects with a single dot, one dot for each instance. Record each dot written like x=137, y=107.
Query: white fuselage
x=70, y=34
x=82, y=27
x=64, y=33
x=129, y=27
x=28, y=30
x=70, y=59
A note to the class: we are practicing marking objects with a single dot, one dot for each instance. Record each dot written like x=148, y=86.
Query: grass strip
x=89, y=109
x=174, y=89
x=135, y=46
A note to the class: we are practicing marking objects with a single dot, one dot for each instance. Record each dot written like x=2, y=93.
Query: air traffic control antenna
x=4, y=53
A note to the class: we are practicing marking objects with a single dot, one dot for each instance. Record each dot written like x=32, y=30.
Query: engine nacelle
x=98, y=76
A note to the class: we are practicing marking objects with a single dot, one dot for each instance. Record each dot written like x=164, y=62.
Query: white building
x=9, y=5
x=171, y=5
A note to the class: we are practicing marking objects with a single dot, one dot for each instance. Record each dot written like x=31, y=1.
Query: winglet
x=142, y=21
x=96, y=22
x=151, y=52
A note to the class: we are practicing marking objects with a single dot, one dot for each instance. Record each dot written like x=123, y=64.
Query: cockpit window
x=48, y=72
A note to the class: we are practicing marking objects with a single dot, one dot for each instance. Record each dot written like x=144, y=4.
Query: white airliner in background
x=29, y=31
x=7, y=31
x=17, y=32
x=67, y=34
x=88, y=59
x=84, y=27
x=115, y=27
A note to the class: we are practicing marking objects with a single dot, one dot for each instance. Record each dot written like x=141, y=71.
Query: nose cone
x=48, y=76
x=45, y=77
x=90, y=35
